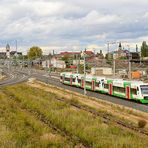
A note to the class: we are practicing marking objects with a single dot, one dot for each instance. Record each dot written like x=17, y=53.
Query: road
x=13, y=77
x=22, y=75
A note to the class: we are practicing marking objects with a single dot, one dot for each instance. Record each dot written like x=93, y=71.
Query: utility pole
x=130, y=67
x=29, y=66
x=49, y=71
x=114, y=67
x=77, y=63
x=140, y=57
x=108, y=47
x=84, y=74
x=108, y=43
x=16, y=45
x=94, y=60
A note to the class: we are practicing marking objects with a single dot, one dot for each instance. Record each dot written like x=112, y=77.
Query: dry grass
x=142, y=123
x=31, y=114
x=19, y=128
x=119, y=111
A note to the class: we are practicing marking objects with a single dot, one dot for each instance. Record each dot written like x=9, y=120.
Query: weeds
x=142, y=123
x=78, y=125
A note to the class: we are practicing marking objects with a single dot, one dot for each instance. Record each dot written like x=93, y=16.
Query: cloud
x=69, y=23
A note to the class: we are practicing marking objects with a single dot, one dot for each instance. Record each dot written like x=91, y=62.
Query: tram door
x=127, y=92
x=82, y=83
x=70, y=80
x=110, y=88
x=93, y=85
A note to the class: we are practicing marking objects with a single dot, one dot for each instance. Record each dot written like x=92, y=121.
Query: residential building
x=54, y=62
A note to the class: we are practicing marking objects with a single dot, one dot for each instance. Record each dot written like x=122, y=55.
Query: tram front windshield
x=144, y=89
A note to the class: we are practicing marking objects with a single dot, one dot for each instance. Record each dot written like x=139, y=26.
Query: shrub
x=142, y=123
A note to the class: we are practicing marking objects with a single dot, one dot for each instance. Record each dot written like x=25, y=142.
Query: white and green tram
x=131, y=90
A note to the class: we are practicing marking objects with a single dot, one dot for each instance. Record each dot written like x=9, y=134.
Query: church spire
x=120, y=46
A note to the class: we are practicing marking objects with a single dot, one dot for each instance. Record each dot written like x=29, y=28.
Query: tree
x=35, y=52
x=67, y=59
x=144, y=49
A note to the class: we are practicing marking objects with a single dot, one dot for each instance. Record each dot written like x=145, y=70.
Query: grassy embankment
x=33, y=117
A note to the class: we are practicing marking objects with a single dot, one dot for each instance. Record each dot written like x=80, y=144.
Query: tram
x=131, y=90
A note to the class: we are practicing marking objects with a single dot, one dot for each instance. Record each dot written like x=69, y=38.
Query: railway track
x=14, y=78
x=18, y=77
x=23, y=76
x=115, y=100
x=107, y=118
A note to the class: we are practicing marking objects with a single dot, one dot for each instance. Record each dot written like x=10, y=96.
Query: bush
x=142, y=123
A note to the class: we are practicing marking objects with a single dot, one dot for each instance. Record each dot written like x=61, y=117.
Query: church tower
x=8, y=51
x=120, y=46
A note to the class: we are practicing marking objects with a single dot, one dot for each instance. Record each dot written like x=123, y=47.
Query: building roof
x=89, y=52
x=65, y=53
x=119, y=51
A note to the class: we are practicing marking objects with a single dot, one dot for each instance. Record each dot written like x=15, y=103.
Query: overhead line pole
x=114, y=67
x=84, y=74
x=129, y=63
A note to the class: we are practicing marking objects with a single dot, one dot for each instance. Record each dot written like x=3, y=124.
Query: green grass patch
x=80, y=126
x=19, y=128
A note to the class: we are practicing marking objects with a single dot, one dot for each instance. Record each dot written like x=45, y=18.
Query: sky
x=72, y=25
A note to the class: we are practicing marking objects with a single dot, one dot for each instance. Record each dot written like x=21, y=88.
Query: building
x=8, y=53
x=54, y=62
x=3, y=55
x=68, y=54
x=135, y=55
x=15, y=53
x=58, y=63
x=81, y=62
x=100, y=55
x=101, y=71
x=121, y=53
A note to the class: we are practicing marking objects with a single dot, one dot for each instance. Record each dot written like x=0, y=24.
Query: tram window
x=102, y=84
x=134, y=91
x=67, y=79
x=119, y=89
x=79, y=80
x=88, y=83
x=98, y=84
x=106, y=86
x=73, y=79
